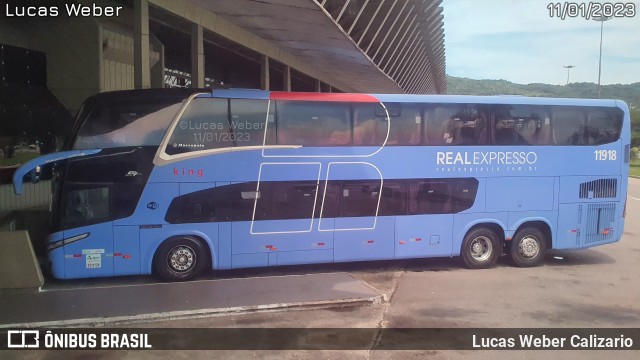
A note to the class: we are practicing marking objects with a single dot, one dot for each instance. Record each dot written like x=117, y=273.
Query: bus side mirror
x=35, y=174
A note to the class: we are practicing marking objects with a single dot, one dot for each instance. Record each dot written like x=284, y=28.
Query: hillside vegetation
x=629, y=93
x=463, y=86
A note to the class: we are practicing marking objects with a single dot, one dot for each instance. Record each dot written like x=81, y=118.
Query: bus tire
x=528, y=247
x=480, y=248
x=180, y=259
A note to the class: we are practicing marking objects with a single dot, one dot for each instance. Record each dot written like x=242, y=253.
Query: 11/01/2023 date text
x=591, y=10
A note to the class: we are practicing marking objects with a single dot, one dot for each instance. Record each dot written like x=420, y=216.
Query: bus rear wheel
x=180, y=259
x=480, y=248
x=528, y=247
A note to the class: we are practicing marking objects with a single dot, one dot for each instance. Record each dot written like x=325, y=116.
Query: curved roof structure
x=377, y=46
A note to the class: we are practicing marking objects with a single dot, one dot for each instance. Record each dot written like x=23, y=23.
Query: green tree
x=635, y=127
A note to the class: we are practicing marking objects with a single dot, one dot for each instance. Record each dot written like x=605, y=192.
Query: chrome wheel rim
x=181, y=258
x=529, y=247
x=481, y=248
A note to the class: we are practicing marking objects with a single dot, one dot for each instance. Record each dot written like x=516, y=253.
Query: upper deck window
x=585, y=126
x=215, y=123
x=204, y=125
x=219, y=123
x=133, y=121
x=369, y=125
x=406, y=123
x=456, y=124
x=309, y=123
x=603, y=127
x=521, y=125
x=249, y=120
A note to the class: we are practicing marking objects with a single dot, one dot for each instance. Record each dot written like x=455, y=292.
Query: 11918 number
x=603, y=155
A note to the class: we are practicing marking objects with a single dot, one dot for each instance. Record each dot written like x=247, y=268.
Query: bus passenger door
x=88, y=237
x=286, y=198
x=352, y=196
x=89, y=251
x=428, y=231
x=282, y=227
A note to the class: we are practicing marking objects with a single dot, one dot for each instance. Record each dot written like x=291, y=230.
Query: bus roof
x=502, y=99
x=355, y=97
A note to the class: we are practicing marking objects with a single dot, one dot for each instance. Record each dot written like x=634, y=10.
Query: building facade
x=49, y=63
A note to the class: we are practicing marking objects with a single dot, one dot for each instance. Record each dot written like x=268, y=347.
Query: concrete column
x=264, y=73
x=318, y=86
x=141, y=70
x=197, y=56
x=286, y=80
x=157, y=71
x=101, y=74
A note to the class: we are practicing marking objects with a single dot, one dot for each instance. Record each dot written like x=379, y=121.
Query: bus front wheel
x=528, y=247
x=480, y=248
x=180, y=259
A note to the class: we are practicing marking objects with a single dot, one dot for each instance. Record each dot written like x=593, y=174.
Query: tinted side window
x=281, y=200
x=331, y=207
x=310, y=123
x=430, y=197
x=463, y=193
x=406, y=123
x=360, y=197
x=586, y=126
x=521, y=125
x=224, y=203
x=603, y=126
x=460, y=124
x=568, y=126
x=286, y=200
x=248, y=122
x=203, y=126
x=233, y=202
x=394, y=198
x=369, y=124
x=441, y=196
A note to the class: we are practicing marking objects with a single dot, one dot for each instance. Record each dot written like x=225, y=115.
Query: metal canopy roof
x=375, y=46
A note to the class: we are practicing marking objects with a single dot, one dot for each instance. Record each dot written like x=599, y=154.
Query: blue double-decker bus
x=174, y=182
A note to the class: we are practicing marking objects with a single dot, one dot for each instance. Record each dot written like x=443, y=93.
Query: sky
x=518, y=41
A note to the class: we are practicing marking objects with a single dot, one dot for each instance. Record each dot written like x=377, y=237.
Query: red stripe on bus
x=309, y=96
x=117, y=254
x=77, y=255
x=126, y=256
x=369, y=241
